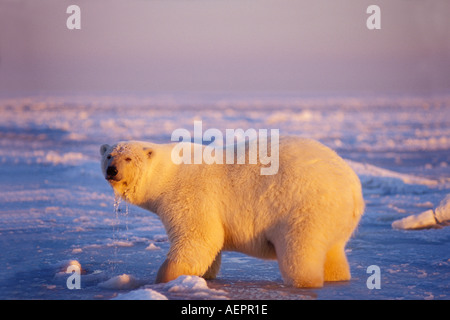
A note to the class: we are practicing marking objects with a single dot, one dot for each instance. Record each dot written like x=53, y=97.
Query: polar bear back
x=312, y=182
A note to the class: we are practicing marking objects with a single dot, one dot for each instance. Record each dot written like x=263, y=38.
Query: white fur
x=302, y=216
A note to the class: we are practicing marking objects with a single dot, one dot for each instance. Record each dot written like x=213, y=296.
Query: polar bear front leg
x=214, y=268
x=173, y=268
x=170, y=270
x=190, y=258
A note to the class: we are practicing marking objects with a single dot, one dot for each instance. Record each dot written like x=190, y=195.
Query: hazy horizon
x=232, y=46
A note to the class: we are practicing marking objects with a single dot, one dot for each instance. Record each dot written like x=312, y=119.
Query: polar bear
x=302, y=216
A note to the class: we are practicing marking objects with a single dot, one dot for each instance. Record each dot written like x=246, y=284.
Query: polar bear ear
x=148, y=152
x=103, y=149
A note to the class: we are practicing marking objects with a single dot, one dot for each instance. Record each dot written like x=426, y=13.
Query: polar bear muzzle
x=111, y=173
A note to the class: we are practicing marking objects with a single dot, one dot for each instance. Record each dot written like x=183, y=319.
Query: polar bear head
x=123, y=165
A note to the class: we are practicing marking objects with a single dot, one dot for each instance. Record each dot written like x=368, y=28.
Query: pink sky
x=243, y=46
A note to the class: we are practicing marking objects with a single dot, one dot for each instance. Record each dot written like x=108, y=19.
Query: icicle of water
x=117, y=201
x=118, y=212
x=126, y=217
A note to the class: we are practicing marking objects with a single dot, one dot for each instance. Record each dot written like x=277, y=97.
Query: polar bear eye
x=128, y=159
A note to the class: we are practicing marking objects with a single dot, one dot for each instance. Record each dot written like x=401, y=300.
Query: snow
x=122, y=282
x=428, y=219
x=57, y=210
x=192, y=286
x=442, y=212
x=416, y=221
x=187, y=283
x=152, y=246
x=364, y=169
x=141, y=294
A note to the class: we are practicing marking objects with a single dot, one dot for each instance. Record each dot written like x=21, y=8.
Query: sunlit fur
x=303, y=216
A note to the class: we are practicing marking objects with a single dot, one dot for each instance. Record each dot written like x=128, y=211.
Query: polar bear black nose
x=111, y=171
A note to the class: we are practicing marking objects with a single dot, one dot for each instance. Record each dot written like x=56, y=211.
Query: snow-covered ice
x=141, y=294
x=416, y=221
x=191, y=286
x=57, y=209
x=427, y=219
x=442, y=212
x=122, y=282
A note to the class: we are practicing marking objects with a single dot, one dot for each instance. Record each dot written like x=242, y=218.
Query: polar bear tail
x=359, y=205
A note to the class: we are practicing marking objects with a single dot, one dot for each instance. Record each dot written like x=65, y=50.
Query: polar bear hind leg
x=336, y=265
x=301, y=261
